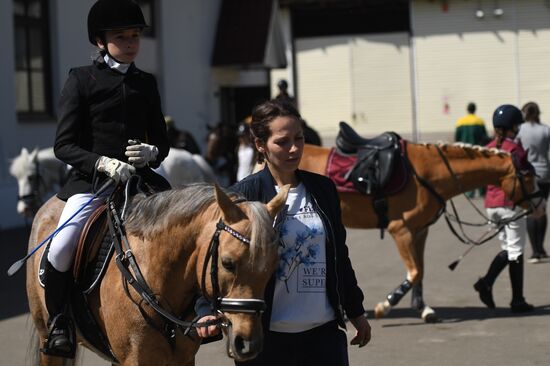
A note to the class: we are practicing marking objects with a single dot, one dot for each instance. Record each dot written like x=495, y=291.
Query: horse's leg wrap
x=396, y=295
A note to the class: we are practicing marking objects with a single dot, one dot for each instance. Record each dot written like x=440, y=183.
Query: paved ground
x=469, y=334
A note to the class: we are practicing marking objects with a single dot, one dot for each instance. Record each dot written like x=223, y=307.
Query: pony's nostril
x=242, y=346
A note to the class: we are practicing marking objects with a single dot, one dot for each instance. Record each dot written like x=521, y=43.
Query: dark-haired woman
x=535, y=138
x=314, y=286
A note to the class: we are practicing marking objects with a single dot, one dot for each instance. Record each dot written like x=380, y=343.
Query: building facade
x=407, y=66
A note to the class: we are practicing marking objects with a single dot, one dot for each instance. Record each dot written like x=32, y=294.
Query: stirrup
x=64, y=327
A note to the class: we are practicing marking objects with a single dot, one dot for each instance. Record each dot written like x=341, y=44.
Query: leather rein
x=132, y=275
x=499, y=226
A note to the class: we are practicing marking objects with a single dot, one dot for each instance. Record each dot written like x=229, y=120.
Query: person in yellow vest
x=470, y=129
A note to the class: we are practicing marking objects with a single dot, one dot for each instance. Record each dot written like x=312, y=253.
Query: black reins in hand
x=132, y=275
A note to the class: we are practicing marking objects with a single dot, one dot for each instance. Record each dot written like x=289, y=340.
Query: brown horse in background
x=170, y=235
x=414, y=208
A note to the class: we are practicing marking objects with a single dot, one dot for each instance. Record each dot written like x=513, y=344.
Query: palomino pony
x=185, y=241
x=39, y=174
x=446, y=170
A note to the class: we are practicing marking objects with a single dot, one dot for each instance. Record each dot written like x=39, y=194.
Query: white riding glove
x=140, y=154
x=116, y=169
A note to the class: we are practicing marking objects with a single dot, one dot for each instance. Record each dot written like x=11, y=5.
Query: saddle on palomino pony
x=378, y=166
x=93, y=253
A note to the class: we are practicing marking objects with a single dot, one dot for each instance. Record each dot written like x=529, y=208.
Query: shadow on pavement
x=12, y=289
x=460, y=314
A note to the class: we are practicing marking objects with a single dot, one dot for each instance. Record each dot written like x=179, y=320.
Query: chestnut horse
x=414, y=208
x=171, y=236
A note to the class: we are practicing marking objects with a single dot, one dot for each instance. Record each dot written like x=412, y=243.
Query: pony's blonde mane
x=155, y=214
x=461, y=147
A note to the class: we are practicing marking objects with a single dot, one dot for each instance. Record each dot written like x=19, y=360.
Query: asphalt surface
x=468, y=334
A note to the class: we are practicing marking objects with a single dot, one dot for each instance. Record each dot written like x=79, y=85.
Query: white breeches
x=512, y=237
x=64, y=242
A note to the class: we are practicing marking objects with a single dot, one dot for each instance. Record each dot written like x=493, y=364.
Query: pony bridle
x=520, y=177
x=131, y=275
x=218, y=303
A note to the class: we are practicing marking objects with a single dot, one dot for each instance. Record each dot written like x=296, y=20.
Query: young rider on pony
x=506, y=121
x=105, y=110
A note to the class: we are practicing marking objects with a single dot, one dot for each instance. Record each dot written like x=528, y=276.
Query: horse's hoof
x=381, y=309
x=429, y=315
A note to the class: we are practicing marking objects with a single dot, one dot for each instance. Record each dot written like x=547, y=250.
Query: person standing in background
x=535, y=138
x=470, y=129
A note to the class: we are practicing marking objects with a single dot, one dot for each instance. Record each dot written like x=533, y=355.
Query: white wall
x=491, y=61
x=188, y=31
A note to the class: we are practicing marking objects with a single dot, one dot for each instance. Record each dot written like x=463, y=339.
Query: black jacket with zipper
x=342, y=290
x=99, y=110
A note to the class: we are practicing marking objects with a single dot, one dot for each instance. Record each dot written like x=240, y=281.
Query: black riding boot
x=536, y=228
x=484, y=286
x=518, y=304
x=61, y=336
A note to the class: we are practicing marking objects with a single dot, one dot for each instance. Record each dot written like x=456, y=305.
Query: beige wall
x=455, y=58
x=491, y=61
x=363, y=80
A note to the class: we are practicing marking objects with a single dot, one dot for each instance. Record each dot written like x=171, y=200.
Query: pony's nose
x=246, y=348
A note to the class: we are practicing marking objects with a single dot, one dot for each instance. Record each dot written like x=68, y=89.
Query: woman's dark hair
x=264, y=113
x=531, y=112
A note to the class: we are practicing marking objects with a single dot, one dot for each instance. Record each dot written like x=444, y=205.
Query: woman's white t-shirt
x=300, y=301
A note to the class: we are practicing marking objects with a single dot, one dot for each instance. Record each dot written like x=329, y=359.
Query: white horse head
x=37, y=173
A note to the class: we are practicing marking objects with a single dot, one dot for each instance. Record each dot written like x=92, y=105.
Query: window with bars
x=32, y=60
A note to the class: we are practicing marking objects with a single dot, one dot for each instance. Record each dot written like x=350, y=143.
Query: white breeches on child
x=512, y=237
x=64, y=242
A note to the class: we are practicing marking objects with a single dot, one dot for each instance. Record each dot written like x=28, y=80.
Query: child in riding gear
x=506, y=121
x=106, y=110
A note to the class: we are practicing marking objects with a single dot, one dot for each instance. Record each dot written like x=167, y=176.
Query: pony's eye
x=228, y=264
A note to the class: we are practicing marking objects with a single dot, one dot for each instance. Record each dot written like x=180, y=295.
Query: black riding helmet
x=507, y=116
x=282, y=84
x=107, y=15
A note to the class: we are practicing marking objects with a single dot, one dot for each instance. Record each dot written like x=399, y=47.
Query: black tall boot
x=518, y=304
x=61, y=337
x=484, y=286
x=543, y=222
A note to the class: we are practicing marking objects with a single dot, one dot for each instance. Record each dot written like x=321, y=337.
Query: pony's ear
x=231, y=212
x=24, y=151
x=278, y=202
x=34, y=154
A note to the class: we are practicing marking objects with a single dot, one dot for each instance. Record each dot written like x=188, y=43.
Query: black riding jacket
x=99, y=110
x=343, y=292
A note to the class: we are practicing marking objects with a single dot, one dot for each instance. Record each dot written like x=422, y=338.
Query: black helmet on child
x=506, y=116
x=282, y=84
x=107, y=15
